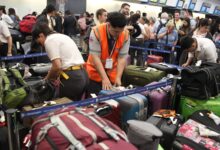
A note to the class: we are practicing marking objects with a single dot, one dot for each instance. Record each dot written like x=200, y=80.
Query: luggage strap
x=66, y=132
x=111, y=132
x=89, y=131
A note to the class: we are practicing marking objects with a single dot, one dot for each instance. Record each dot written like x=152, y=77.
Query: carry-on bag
x=133, y=106
x=141, y=76
x=201, y=82
x=189, y=105
x=74, y=128
x=154, y=59
x=168, y=122
x=144, y=135
x=168, y=68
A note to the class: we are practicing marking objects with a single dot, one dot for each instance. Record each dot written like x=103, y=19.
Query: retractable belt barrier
x=151, y=49
x=162, y=44
x=22, y=56
x=90, y=101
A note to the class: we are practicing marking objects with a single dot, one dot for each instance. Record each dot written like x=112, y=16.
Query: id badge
x=108, y=64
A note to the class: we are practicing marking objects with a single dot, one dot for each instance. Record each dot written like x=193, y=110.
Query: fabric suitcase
x=141, y=76
x=168, y=128
x=154, y=59
x=193, y=135
x=74, y=128
x=40, y=69
x=133, y=106
x=158, y=98
x=109, y=110
x=168, y=68
x=189, y=105
x=201, y=82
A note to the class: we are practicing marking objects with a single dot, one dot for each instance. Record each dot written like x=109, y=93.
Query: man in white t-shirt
x=5, y=40
x=199, y=48
x=3, y=16
x=67, y=61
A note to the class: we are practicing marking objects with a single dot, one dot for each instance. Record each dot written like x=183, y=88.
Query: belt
x=65, y=76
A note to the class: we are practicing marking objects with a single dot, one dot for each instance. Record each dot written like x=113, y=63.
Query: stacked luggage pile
x=144, y=114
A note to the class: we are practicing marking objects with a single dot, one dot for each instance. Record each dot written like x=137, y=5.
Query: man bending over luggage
x=199, y=49
x=108, y=44
x=66, y=61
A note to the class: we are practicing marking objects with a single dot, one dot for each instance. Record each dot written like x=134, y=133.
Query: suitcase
x=167, y=127
x=154, y=59
x=74, y=128
x=158, y=98
x=168, y=68
x=189, y=135
x=141, y=76
x=133, y=106
x=31, y=81
x=40, y=69
x=189, y=105
x=109, y=110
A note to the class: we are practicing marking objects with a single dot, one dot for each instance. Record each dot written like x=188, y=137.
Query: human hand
x=106, y=84
x=117, y=82
x=9, y=54
x=184, y=65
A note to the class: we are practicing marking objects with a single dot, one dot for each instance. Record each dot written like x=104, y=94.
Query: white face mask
x=164, y=21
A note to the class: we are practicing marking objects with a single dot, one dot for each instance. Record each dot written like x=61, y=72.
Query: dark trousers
x=137, y=54
x=75, y=86
x=94, y=87
x=3, y=49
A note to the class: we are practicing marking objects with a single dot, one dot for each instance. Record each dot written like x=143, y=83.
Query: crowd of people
x=107, y=42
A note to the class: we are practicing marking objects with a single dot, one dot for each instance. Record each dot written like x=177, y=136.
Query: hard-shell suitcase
x=40, y=69
x=158, y=98
x=133, y=106
x=189, y=105
x=154, y=59
x=168, y=127
x=168, y=68
x=108, y=109
x=141, y=76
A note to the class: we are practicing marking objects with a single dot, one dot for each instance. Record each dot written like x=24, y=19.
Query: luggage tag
x=108, y=63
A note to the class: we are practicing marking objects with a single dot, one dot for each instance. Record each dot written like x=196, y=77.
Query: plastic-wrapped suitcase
x=133, y=106
x=189, y=105
x=168, y=127
x=154, y=59
x=141, y=76
x=168, y=68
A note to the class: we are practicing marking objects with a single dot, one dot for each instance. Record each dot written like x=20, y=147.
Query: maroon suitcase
x=76, y=128
x=154, y=59
x=158, y=98
x=109, y=110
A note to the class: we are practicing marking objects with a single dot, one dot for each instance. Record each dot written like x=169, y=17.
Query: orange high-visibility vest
x=102, y=37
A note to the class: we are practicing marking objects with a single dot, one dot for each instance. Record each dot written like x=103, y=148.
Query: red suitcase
x=154, y=59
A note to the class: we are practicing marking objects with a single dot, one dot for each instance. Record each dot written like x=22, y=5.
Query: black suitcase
x=168, y=128
x=168, y=68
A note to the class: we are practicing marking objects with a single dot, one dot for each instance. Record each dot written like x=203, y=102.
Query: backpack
x=161, y=25
x=13, y=90
x=76, y=129
x=27, y=23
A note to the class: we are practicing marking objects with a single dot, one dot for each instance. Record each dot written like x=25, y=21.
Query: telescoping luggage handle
x=97, y=99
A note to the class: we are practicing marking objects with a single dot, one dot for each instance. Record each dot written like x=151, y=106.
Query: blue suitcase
x=133, y=106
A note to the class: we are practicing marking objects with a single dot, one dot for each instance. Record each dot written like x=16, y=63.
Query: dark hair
x=124, y=4
x=177, y=11
x=11, y=11
x=50, y=8
x=40, y=27
x=99, y=12
x=67, y=12
x=187, y=20
x=3, y=9
x=186, y=42
x=116, y=19
x=34, y=13
x=203, y=22
x=134, y=18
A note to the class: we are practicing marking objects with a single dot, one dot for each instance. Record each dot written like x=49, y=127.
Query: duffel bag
x=74, y=128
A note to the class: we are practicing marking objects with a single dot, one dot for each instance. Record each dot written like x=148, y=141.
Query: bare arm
x=9, y=39
x=55, y=70
x=188, y=62
x=160, y=36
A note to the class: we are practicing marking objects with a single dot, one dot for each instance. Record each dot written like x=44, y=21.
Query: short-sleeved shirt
x=95, y=47
x=206, y=50
x=172, y=37
x=4, y=32
x=9, y=22
x=63, y=47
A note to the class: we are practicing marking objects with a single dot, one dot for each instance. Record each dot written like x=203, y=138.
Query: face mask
x=164, y=21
